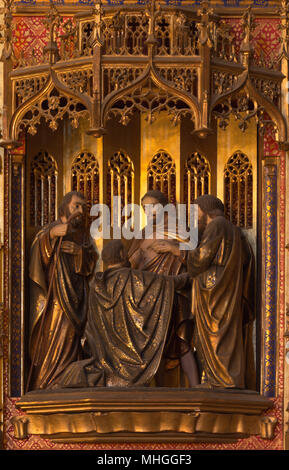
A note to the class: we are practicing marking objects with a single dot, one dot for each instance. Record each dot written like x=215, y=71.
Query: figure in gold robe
x=59, y=342
x=163, y=256
x=222, y=267
x=127, y=325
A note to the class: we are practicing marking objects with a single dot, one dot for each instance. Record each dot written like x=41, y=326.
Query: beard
x=77, y=222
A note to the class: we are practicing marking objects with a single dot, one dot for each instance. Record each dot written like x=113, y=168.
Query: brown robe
x=142, y=256
x=128, y=319
x=60, y=342
x=223, y=305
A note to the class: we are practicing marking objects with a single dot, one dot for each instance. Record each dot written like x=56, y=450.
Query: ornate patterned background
x=30, y=36
x=227, y=3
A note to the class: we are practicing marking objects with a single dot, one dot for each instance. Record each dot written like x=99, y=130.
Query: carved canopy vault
x=111, y=61
x=105, y=63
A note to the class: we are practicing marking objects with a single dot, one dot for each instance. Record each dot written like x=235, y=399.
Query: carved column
x=17, y=225
x=1, y=251
x=205, y=13
x=270, y=276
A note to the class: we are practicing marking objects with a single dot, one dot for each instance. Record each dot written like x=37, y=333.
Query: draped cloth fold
x=128, y=319
x=179, y=341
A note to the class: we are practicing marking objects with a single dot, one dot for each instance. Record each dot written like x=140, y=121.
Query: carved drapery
x=238, y=190
x=43, y=189
x=120, y=181
x=161, y=175
x=85, y=177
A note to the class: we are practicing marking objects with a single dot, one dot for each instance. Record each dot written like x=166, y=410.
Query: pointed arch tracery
x=43, y=189
x=150, y=94
x=238, y=190
x=251, y=99
x=197, y=177
x=120, y=180
x=85, y=177
x=161, y=175
x=50, y=104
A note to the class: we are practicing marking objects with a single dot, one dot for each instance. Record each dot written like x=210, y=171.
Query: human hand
x=58, y=230
x=70, y=247
x=163, y=246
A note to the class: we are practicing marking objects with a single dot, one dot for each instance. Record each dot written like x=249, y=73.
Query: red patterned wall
x=30, y=37
x=265, y=38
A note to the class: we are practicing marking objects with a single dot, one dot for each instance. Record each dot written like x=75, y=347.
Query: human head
x=152, y=198
x=74, y=201
x=209, y=207
x=113, y=253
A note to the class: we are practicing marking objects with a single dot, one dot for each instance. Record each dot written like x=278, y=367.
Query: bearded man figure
x=222, y=267
x=59, y=341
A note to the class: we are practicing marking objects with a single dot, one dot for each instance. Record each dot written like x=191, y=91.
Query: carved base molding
x=143, y=415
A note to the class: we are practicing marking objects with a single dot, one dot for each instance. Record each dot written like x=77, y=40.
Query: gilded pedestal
x=144, y=414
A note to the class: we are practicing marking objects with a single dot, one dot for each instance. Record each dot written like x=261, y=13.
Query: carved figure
x=222, y=267
x=163, y=256
x=62, y=259
x=128, y=320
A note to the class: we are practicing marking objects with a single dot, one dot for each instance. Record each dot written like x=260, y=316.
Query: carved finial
x=205, y=13
x=98, y=13
x=248, y=25
x=52, y=21
x=267, y=427
x=283, y=12
x=152, y=11
x=20, y=424
x=68, y=39
x=6, y=30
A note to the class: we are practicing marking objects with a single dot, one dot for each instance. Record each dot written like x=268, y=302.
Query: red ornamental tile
x=266, y=37
x=30, y=34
